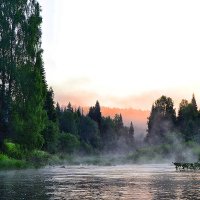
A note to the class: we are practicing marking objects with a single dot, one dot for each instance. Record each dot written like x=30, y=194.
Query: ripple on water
x=98, y=182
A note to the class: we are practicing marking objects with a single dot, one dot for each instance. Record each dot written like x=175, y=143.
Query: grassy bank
x=11, y=163
x=14, y=157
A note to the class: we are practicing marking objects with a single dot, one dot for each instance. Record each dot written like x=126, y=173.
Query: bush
x=13, y=150
x=68, y=143
x=38, y=158
x=10, y=163
x=86, y=148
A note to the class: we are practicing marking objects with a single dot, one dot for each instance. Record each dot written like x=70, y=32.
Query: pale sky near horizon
x=125, y=53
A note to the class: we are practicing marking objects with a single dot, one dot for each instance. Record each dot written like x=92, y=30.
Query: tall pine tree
x=23, y=85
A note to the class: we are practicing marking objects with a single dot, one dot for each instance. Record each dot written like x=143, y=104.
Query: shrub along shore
x=15, y=158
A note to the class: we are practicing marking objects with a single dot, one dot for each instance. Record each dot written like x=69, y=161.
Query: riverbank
x=35, y=159
x=39, y=159
x=15, y=158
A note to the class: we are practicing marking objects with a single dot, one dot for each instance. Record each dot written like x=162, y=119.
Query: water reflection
x=93, y=182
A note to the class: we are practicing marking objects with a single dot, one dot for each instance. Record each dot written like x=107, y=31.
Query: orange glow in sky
x=123, y=53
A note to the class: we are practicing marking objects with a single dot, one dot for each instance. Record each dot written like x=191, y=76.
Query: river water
x=152, y=181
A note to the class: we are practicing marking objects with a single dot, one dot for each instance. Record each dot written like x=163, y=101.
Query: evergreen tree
x=58, y=111
x=79, y=112
x=161, y=120
x=130, y=137
x=131, y=130
x=70, y=108
x=95, y=114
x=108, y=134
x=49, y=105
x=51, y=130
x=67, y=122
x=188, y=120
x=51, y=135
x=194, y=104
x=118, y=121
x=89, y=132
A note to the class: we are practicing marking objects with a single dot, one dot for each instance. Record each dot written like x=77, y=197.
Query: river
x=154, y=181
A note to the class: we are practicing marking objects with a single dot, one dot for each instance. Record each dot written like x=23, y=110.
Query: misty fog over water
x=154, y=181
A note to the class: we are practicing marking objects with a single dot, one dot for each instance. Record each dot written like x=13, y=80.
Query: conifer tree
x=95, y=114
x=161, y=120
x=194, y=103
x=131, y=130
x=130, y=137
x=51, y=130
x=188, y=120
x=49, y=105
x=70, y=108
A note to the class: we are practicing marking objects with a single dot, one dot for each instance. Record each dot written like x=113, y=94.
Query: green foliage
x=95, y=132
x=28, y=129
x=67, y=122
x=89, y=132
x=68, y=143
x=23, y=84
x=10, y=163
x=13, y=150
x=51, y=134
x=38, y=158
x=51, y=130
x=49, y=105
x=108, y=134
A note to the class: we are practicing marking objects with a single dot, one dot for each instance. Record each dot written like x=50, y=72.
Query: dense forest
x=30, y=121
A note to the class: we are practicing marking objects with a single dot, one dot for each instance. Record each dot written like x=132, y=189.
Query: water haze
x=146, y=181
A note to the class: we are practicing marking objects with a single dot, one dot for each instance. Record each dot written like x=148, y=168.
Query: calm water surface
x=97, y=182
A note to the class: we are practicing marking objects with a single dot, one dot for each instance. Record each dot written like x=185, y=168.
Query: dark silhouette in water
x=187, y=166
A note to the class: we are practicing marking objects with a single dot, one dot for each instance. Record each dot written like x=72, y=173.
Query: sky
x=124, y=53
